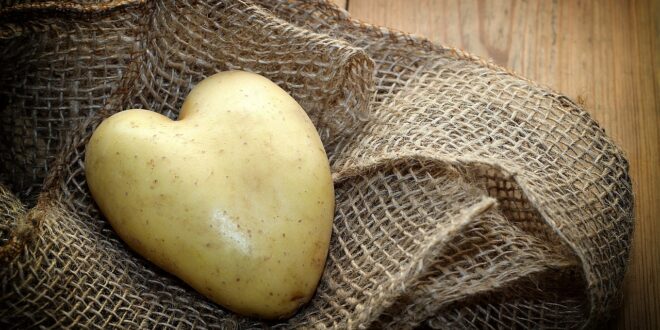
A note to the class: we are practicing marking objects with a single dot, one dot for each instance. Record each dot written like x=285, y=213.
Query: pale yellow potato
x=235, y=197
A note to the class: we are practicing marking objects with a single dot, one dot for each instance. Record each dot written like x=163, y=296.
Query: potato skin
x=235, y=197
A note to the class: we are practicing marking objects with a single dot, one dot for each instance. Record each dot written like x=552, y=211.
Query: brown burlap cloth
x=467, y=197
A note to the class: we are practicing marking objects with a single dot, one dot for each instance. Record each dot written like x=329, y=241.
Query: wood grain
x=604, y=55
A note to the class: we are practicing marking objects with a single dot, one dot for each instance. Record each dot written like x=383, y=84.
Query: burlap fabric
x=467, y=197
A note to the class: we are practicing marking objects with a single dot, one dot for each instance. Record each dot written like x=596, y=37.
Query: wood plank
x=601, y=54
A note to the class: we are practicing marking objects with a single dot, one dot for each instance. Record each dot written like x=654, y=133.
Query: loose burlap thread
x=467, y=197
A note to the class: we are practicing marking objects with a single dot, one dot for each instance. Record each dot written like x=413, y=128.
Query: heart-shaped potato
x=235, y=197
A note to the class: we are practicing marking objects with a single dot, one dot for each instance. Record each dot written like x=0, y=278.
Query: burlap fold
x=467, y=197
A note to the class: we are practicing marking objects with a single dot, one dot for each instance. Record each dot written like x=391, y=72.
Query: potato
x=235, y=197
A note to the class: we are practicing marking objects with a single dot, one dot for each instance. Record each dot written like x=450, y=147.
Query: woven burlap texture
x=467, y=197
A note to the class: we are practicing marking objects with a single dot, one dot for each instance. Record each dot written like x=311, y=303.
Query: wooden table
x=603, y=54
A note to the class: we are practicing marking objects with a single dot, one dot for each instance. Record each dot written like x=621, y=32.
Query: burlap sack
x=467, y=197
